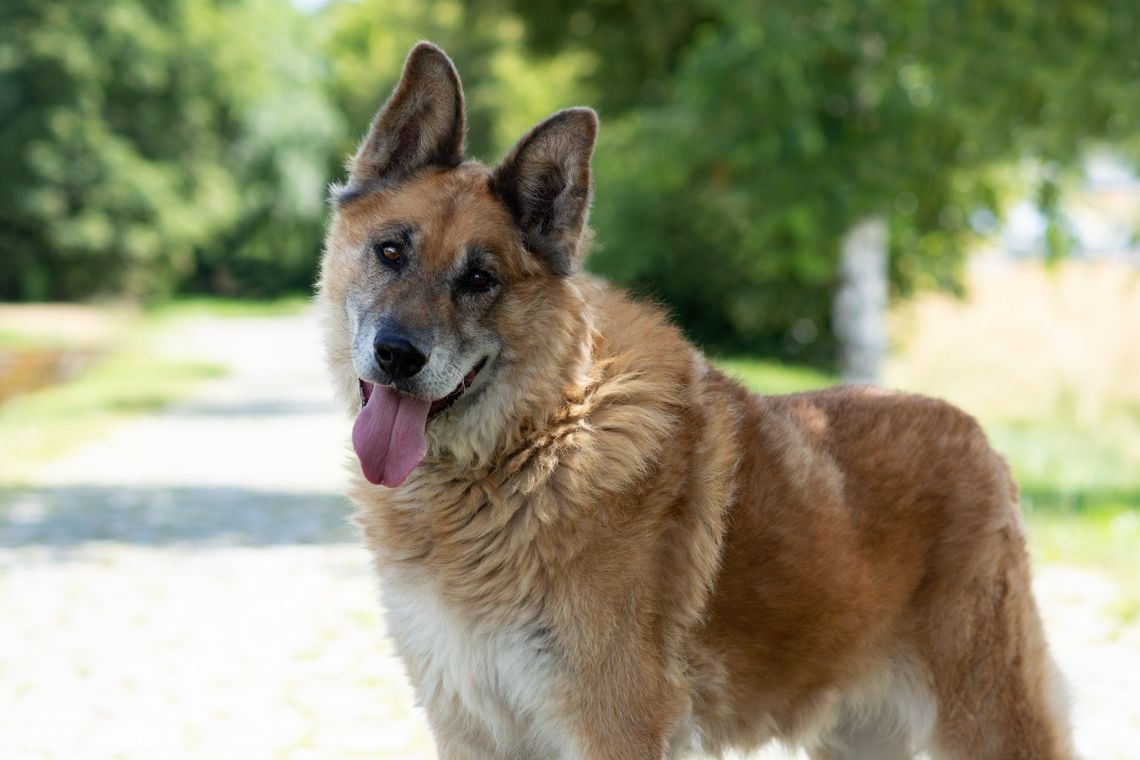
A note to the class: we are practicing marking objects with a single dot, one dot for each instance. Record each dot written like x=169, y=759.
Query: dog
x=593, y=545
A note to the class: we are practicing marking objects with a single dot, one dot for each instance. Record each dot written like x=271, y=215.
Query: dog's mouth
x=389, y=435
x=439, y=406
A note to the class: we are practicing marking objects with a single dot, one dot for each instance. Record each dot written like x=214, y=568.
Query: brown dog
x=594, y=545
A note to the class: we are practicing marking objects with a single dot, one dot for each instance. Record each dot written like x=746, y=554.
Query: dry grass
x=1028, y=343
x=1048, y=360
x=75, y=326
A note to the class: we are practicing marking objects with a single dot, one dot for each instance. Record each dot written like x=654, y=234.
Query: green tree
x=149, y=144
x=726, y=188
x=281, y=127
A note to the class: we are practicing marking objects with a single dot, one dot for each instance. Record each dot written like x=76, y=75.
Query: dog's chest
x=501, y=676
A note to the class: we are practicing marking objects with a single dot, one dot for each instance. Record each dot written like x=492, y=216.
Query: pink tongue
x=389, y=435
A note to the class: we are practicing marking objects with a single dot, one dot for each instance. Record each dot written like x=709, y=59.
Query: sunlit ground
x=177, y=579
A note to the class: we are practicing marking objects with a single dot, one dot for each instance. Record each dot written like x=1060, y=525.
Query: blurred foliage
x=770, y=128
x=153, y=146
x=772, y=378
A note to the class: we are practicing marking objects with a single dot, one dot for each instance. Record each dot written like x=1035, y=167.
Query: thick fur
x=613, y=552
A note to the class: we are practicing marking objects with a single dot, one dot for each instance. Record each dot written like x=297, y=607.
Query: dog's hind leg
x=999, y=694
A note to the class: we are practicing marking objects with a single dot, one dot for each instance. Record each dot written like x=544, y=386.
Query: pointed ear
x=544, y=182
x=422, y=124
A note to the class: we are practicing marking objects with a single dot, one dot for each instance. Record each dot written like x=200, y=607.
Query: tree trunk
x=861, y=301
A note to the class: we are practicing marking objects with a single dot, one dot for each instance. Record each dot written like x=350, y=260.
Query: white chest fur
x=500, y=677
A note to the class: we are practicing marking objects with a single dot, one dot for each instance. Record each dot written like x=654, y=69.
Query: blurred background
x=941, y=197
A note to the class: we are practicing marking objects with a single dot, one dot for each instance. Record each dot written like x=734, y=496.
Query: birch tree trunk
x=861, y=301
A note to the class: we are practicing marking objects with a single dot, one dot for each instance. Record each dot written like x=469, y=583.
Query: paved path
x=188, y=588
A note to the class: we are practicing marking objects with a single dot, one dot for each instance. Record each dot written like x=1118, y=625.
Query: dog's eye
x=478, y=281
x=389, y=252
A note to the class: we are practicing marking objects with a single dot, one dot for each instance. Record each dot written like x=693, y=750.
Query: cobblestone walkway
x=188, y=588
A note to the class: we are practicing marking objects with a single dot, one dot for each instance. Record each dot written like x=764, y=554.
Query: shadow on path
x=277, y=408
x=69, y=516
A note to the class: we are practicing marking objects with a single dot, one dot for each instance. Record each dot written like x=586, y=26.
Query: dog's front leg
x=457, y=734
x=650, y=738
x=626, y=717
x=647, y=747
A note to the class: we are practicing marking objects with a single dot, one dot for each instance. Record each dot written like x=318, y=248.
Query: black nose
x=397, y=356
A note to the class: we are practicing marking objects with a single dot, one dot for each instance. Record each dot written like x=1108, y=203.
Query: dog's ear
x=544, y=182
x=422, y=124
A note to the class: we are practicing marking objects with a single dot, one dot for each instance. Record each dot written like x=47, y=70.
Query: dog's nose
x=397, y=356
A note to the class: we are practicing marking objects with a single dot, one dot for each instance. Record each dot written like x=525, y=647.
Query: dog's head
x=442, y=276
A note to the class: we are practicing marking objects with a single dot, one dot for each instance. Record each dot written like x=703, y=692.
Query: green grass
x=772, y=377
x=227, y=307
x=1104, y=539
x=1102, y=536
x=1066, y=467
x=20, y=341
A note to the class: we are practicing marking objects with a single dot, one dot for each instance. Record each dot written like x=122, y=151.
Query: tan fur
x=614, y=552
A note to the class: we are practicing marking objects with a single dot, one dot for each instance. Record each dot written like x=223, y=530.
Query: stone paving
x=188, y=587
